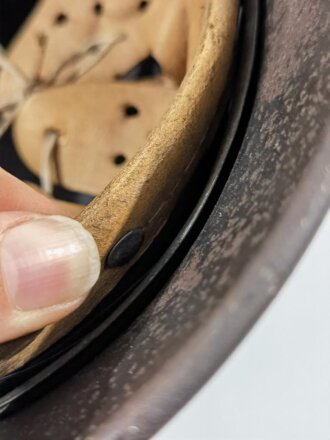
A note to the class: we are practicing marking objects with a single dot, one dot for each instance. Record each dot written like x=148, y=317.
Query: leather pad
x=100, y=127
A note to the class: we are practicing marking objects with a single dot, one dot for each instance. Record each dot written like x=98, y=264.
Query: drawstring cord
x=46, y=161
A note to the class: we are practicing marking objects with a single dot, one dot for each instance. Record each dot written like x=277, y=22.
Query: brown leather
x=144, y=192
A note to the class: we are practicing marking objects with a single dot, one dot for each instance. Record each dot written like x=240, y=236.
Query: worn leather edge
x=171, y=151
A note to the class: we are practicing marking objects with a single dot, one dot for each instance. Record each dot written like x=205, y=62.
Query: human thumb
x=48, y=264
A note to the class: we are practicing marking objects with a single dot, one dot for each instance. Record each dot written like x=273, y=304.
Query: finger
x=48, y=264
x=17, y=196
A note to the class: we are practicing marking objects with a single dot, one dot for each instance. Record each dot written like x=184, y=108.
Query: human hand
x=48, y=262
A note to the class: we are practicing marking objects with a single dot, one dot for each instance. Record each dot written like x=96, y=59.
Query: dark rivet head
x=126, y=249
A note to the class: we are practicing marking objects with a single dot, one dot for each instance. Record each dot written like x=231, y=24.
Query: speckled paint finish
x=273, y=202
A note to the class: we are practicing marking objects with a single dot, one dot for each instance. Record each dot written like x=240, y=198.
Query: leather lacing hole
x=120, y=159
x=143, y=5
x=61, y=19
x=98, y=8
x=131, y=111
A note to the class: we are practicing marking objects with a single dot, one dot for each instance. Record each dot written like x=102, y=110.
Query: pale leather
x=166, y=29
x=143, y=194
x=93, y=128
x=160, y=30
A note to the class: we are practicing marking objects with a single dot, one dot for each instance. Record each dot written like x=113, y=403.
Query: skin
x=18, y=202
